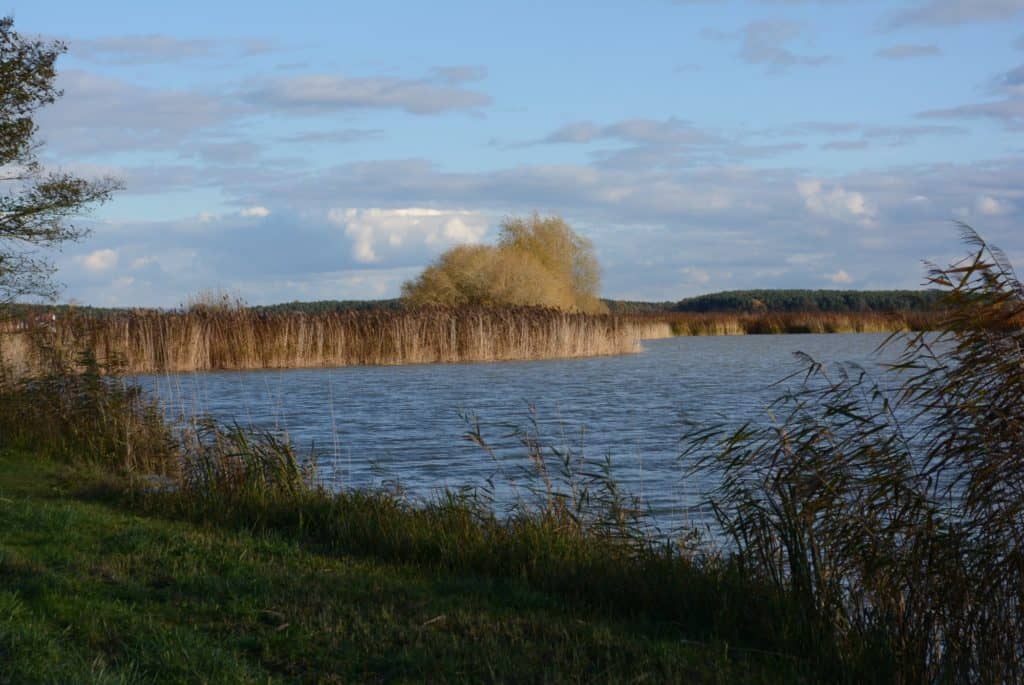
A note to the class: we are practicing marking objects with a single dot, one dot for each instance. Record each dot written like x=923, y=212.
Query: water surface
x=375, y=426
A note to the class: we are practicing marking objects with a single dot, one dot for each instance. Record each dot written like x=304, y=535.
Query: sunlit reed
x=240, y=338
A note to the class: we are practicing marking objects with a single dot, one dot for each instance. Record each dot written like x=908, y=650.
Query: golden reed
x=758, y=323
x=239, y=338
x=207, y=338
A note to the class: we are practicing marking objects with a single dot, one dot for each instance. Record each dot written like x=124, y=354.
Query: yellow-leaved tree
x=537, y=261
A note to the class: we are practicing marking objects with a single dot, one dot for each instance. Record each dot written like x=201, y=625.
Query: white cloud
x=102, y=115
x=908, y=51
x=766, y=42
x=807, y=258
x=836, y=202
x=318, y=93
x=462, y=73
x=157, y=49
x=98, y=260
x=953, y=12
x=257, y=211
x=990, y=206
x=141, y=49
x=840, y=277
x=1009, y=111
x=697, y=276
x=372, y=229
x=646, y=223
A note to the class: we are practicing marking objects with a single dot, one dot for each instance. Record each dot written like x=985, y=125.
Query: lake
x=406, y=425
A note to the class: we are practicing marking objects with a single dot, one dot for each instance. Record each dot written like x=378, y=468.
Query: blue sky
x=331, y=150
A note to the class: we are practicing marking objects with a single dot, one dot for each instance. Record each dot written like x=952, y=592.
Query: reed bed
x=241, y=338
x=758, y=323
x=17, y=352
x=236, y=337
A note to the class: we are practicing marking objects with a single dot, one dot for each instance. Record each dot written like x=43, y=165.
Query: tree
x=36, y=204
x=538, y=261
x=566, y=255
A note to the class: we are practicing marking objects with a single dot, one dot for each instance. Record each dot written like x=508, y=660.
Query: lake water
x=374, y=426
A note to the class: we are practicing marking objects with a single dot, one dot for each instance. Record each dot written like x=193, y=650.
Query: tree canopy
x=812, y=301
x=537, y=261
x=36, y=204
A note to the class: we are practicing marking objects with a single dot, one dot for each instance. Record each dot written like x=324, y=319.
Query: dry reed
x=235, y=337
x=887, y=508
x=239, y=338
x=16, y=352
x=756, y=323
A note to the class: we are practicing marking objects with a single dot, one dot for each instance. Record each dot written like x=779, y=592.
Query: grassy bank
x=242, y=338
x=93, y=592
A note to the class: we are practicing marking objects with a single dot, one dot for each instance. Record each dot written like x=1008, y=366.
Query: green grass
x=92, y=592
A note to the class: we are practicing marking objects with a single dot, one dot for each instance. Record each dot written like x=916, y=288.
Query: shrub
x=538, y=261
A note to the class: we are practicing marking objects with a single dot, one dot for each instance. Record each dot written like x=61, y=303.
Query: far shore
x=243, y=338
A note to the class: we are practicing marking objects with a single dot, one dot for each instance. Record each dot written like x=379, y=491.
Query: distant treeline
x=23, y=311
x=729, y=302
x=19, y=311
x=632, y=307
x=812, y=301
x=325, y=306
x=733, y=301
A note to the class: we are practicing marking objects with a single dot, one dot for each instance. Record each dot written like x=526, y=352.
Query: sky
x=330, y=150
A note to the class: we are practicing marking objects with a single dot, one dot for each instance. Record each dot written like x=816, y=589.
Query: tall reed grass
x=227, y=335
x=81, y=410
x=573, y=533
x=758, y=323
x=888, y=513
x=240, y=338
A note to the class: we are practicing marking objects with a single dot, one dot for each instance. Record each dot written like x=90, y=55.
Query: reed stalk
x=775, y=323
x=240, y=338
